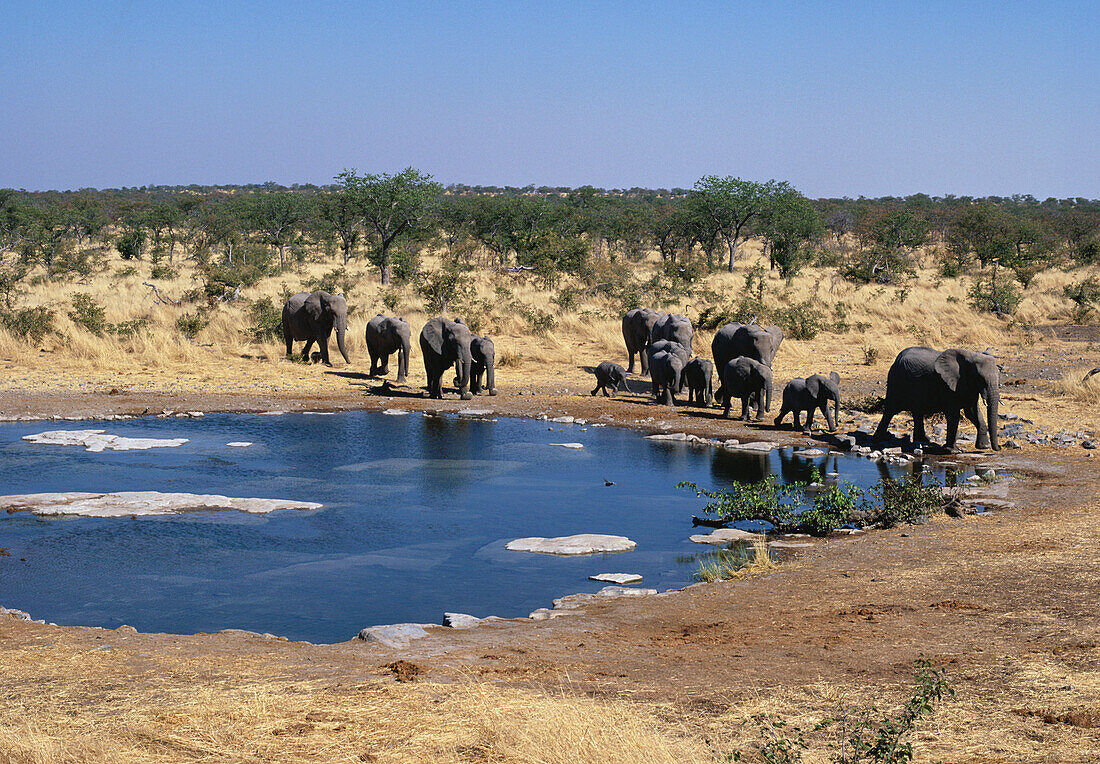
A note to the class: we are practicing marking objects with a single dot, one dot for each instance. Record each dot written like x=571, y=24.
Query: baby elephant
x=697, y=378
x=665, y=370
x=749, y=380
x=609, y=376
x=808, y=395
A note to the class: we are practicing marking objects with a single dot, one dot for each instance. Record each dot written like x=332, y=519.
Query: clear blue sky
x=842, y=98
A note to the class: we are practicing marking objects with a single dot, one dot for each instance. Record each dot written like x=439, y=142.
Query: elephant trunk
x=992, y=397
x=836, y=413
x=341, y=331
x=768, y=396
x=462, y=368
x=403, y=362
x=490, y=376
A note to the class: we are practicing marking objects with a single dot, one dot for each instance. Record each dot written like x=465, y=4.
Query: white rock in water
x=99, y=440
x=617, y=578
x=811, y=452
x=582, y=543
x=622, y=591
x=461, y=620
x=396, y=635
x=725, y=535
x=759, y=447
x=668, y=436
x=474, y=412
x=395, y=412
x=271, y=413
x=127, y=503
x=567, y=445
x=563, y=420
x=240, y=444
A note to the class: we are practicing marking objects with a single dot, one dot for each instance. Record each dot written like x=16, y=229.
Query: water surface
x=417, y=512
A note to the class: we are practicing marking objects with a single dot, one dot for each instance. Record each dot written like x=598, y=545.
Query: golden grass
x=1074, y=385
x=94, y=706
x=728, y=565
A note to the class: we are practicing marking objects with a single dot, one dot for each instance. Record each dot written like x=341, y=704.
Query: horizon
x=841, y=101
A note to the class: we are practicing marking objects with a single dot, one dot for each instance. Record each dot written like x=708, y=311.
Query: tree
x=277, y=217
x=392, y=208
x=338, y=217
x=790, y=225
x=733, y=204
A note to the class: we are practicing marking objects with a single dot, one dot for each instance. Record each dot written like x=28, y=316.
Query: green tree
x=276, y=216
x=790, y=226
x=393, y=208
x=734, y=204
x=338, y=218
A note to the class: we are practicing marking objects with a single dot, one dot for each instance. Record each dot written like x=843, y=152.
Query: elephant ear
x=834, y=377
x=949, y=368
x=313, y=307
x=813, y=386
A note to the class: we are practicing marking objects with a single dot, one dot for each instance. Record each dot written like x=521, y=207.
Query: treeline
x=390, y=219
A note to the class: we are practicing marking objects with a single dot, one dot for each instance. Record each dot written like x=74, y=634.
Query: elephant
x=387, y=335
x=666, y=370
x=698, y=377
x=747, y=379
x=673, y=327
x=609, y=376
x=669, y=346
x=808, y=395
x=924, y=381
x=312, y=317
x=484, y=356
x=637, y=326
x=445, y=343
x=748, y=340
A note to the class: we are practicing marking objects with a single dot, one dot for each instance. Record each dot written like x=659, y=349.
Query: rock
x=98, y=440
x=19, y=615
x=567, y=445
x=1010, y=443
x=895, y=451
x=731, y=442
x=460, y=620
x=617, y=578
x=239, y=444
x=623, y=591
x=474, y=412
x=989, y=476
x=395, y=635
x=760, y=447
x=271, y=413
x=678, y=436
x=724, y=536
x=395, y=412
x=846, y=442
x=811, y=452
x=582, y=543
x=790, y=544
x=126, y=629
x=1090, y=444
x=142, y=503
x=563, y=420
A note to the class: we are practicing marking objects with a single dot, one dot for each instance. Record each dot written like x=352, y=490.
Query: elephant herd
x=921, y=381
x=444, y=343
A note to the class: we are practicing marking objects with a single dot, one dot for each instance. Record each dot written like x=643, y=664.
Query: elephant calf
x=387, y=335
x=809, y=395
x=312, y=317
x=609, y=376
x=484, y=356
x=698, y=378
x=665, y=370
x=749, y=380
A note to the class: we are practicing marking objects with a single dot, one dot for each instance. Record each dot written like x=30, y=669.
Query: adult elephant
x=675, y=328
x=666, y=372
x=749, y=380
x=698, y=378
x=637, y=326
x=387, y=335
x=744, y=340
x=484, y=356
x=924, y=381
x=312, y=317
x=668, y=346
x=446, y=343
x=810, y=394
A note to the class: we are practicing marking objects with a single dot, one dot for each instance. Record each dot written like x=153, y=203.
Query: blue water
x=417, y=512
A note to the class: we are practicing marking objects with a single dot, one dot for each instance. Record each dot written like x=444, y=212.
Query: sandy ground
x=1007, y=602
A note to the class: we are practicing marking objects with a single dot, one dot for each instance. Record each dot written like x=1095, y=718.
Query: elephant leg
x=919, y=435
x=726, y=407
x=746, y=401
x=971, y=412
x=384, y=364
x=883, y=428
x=779, y=417
x=643, y=358
x=630, y=365
x=809, y=420
x=305, y=350
x=322, y=345
x=289, y=342
x=373, y=365
x=952, y=428
x=759, y=407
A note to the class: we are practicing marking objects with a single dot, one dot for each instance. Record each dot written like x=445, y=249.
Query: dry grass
x=95, y=707
x=1074, y=385
x=728, y=565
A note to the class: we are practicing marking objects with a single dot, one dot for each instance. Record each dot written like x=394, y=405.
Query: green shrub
x=993, y=296
x=29, y=323
x=190, y=324
x=443, y=287
x=391, y=300
x=1085, y=296
x=801, y=320
x=129, y=328
x=130, y=244
x=879, y=265
x=88, y=314
x=566, y=299
x=126, y=272
x=904, y=501
x=336, y=281
x=265, y=320
x=163, y=271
